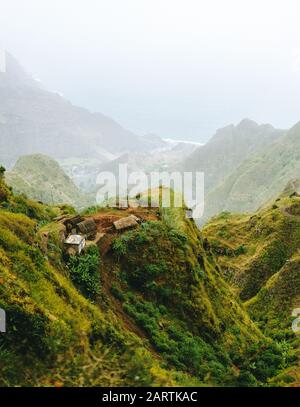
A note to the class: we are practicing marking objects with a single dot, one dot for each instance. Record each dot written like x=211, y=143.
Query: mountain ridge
x=34, y=120
x=41, y=178
x=228, y=148
x=260, y=178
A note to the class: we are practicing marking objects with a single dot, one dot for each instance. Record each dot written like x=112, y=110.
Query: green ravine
x=157, y=308
x=260, y=258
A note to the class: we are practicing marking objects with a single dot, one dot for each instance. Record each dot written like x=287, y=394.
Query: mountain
x=40, y=177
x=260, y=178
x=33, y=120
x=259, y=255
x=147, y=307
x=161, y=159
x=227, y=149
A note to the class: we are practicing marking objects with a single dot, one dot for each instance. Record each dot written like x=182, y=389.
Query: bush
x=180, y=348
x=119, y=246
x=265, y=360
x=84, y=272
x=142, y=276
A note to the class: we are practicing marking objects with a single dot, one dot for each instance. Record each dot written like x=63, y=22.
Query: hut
x=74, y=244
x=72, y=222
x=87, y=228
x=126, y=223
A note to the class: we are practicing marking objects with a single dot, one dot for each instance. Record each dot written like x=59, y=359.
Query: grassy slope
x=54, y=335
x=164, y=315
x=260, y=258
x=236, y=143
x=41, y=178
x=173, y=290
x=258, y=179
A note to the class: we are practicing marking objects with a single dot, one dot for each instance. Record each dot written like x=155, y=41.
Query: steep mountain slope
x=150, y=309
x=260, y=178
x=40, y=177
x=55, y=336
x=228, y=148
x=259, y=256
x=33, y=120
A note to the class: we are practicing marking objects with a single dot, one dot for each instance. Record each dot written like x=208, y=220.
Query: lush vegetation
x=84, y=272
x=172, y=289
x=54, y=335
x=157, y=309
x=266, y=274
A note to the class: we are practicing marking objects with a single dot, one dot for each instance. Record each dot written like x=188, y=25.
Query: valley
x=109, y=295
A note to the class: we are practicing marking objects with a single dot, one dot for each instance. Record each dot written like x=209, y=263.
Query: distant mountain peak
x=247, y=123
x=12, y=72
x=34, y=120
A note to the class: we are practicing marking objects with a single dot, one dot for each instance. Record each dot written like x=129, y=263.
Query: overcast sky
x=177, y=68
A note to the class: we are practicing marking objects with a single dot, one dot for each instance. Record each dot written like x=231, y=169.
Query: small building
x=88, y=228
x=74, y=244
x=126, y=223
x=72, y=222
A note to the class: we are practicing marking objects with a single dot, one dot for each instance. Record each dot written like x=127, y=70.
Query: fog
x=177, y=68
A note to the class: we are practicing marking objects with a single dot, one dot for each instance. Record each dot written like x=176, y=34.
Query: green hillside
x=41, y=178
x=259, y=179
x=260, y=258
x=227, y=150
x=150, y=309
x=55, y=336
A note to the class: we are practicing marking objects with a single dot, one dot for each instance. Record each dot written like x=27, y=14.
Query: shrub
x=140, y=276
x=119, y=246
x=265, y=360
x=84, y=272
x=179, y=347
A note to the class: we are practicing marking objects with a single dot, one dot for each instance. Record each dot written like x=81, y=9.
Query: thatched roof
x=74, y=220
x=125, y=223
x=87, y=227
